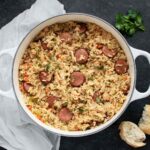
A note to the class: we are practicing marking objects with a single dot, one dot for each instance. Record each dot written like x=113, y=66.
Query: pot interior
x=64, y=18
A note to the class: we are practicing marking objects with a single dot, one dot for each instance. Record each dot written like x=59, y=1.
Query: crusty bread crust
x=144, y=122
x=131, y=134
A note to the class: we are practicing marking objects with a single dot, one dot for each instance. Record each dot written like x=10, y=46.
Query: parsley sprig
x=130, y=23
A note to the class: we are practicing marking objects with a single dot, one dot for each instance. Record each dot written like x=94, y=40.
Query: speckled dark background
x=106, y=9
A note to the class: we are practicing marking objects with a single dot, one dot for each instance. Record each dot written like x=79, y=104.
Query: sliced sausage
x=96, y=95
x=65, y=114
x=65, y=37
x=77, y=79
x=81, y=55
x=108, y=52
x=51, y=99
x=121, y=66
x=83, y=27
x=26, y=86
x=46, y=77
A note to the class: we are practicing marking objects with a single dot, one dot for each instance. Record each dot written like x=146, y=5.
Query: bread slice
x=132, y=134
x=144, y=122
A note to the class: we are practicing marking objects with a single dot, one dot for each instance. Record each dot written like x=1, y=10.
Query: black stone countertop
x=109, y=138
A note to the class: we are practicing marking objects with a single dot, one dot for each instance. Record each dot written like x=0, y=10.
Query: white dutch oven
x=130, y=52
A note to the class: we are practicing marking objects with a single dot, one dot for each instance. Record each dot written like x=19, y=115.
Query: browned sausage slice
x=108, y=52
x=77, y=79
x=65, y=115
x=26, y=86
x=81, y=55
x=121, y=66
x=51, y=99
x=46, y=77
x=65, y=37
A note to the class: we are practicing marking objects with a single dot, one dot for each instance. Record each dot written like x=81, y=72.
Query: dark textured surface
x=11, y=8
x=109, y=138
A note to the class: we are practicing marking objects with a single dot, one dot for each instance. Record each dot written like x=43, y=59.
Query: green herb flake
x=130, y=23
x=100, y=67
x=52, y=57
x=98, y=100
x=47, y=67
x=90, y=77
x=64, y=104
x=81, y=110
x=83, y=101
x=58, y=66
x=81, y=66
x=34, y=100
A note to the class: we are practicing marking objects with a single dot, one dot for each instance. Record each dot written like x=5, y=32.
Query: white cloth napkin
x=17, y=131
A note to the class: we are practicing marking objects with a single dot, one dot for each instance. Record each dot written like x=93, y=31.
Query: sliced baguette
x=144, y=122
x=132, y=134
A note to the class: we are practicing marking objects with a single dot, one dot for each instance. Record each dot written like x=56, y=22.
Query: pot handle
x=10, y=92
x=136, y=94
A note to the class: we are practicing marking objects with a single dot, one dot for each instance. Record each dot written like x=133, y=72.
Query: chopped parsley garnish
x=34, y=100
x=81, y=110
x=65, y=104
x=47, y=68
x=100, y=67
x=98, y=100
x=130, y=23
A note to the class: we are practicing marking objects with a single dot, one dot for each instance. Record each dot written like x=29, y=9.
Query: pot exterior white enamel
x=130, y=52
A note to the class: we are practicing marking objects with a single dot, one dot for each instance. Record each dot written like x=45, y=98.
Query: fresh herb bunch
x=130, y=23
